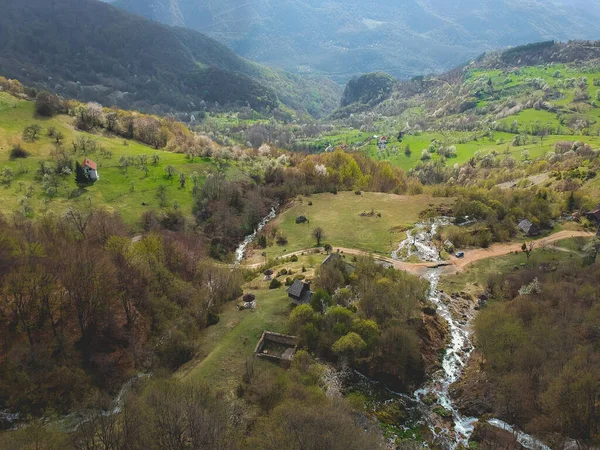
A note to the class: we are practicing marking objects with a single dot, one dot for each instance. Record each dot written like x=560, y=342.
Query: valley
x=201, y=252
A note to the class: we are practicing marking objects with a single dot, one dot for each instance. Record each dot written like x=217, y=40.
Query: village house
x=90, y=169
x=299, y=292
x=528, y=228
x=594, y=216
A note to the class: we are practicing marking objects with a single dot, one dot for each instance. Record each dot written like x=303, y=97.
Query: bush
x=294, y=258
x=274, y=284
x=282, y=272
x=212, y=319
x=289, y=281
x=175, y=350
x=281, y=240
x=48, y=104
x=18, y=152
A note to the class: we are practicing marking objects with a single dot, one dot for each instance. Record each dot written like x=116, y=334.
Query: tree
x=327, y=248
x=161, y=193
x=528, y=248
x=30, y=133
x=47, y=104
x=124, y=163
x=407, y=150
x=349, y=346
x=319, y=235
x=58, y=137
x=81, y=178
x=182, y=180
x=571, y=203
x=170, y=171
x=155, y=159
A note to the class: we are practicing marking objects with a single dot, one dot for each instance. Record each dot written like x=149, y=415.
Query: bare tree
x=528, y=248
x=319, y=235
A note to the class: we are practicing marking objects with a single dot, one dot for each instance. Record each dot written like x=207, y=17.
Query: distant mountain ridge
x=90, y=50
x=343, y=38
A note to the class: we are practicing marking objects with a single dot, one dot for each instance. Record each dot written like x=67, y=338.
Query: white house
x=90, y=169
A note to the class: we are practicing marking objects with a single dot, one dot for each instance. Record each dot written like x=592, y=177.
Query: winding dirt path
x=455, y=264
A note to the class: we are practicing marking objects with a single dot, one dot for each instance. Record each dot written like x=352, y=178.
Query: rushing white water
x=419, y=243
x=456, y=357
x=525, y=440
x=240, y=252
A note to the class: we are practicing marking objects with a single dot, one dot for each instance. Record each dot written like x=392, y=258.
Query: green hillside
x=490, y=107
x=129, y=192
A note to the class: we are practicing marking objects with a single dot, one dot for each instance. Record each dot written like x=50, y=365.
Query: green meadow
x=386, y=219
x=129, y=191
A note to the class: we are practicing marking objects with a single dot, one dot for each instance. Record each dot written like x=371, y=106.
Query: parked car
x=460, y=254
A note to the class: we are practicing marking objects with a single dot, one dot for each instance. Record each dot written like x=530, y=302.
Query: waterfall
x=240, y=252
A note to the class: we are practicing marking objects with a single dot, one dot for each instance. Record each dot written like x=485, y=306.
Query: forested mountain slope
x=342, y=38
x=89, y=50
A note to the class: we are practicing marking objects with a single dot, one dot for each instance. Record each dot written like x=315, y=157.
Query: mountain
x=343, y=38
x=90, y=50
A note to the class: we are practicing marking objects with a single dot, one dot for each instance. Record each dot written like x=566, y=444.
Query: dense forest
x=539, y=341
x=135, y=63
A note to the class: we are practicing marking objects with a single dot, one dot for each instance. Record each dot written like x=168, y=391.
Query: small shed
x=299, y=292
x=528, y=228
x=90, y=169
x=277, y=347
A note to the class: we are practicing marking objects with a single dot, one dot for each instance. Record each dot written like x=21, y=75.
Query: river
x=448, y=434
x=240, y=252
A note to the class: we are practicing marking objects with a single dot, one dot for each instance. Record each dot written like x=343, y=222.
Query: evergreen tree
x=571, y=202
x=81, y=178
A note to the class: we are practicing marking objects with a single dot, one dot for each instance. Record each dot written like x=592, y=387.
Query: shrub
x=212, y=319
x=283, y=272
x=294, y=258
x=18, y=152
x=281, y=239
x=289, y=281
x=274, y=284
x=175, y=350
x=262, y=241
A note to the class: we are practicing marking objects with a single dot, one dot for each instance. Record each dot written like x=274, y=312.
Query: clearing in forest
x=373, y=222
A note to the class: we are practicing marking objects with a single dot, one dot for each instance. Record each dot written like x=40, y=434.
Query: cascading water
x=419, y=243
x=240, y=252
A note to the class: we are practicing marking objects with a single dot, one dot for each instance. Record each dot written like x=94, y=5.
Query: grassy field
x=339, y=215
x=475, y=277
x=129, y=192
x=224, y=348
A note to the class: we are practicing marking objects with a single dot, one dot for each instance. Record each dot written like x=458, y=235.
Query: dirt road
x=495, y=250
x=455, y=264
